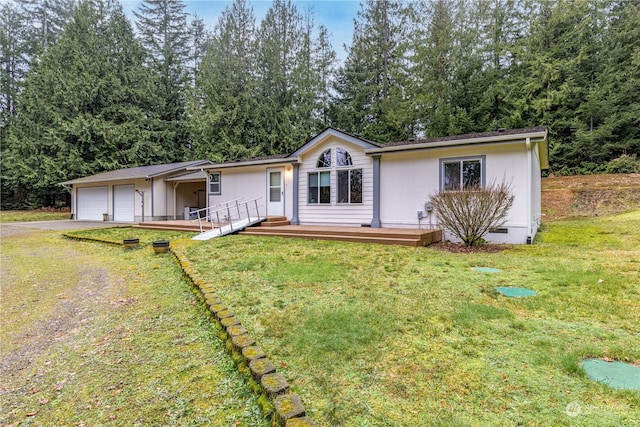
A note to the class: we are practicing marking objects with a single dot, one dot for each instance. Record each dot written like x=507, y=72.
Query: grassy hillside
x=589, y=195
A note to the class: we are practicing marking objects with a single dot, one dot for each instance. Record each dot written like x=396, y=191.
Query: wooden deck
x=389, y=236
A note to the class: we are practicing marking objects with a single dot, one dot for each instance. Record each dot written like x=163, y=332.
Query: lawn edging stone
x=285, y=408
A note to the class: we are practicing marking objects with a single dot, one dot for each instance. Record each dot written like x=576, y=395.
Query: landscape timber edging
x=285, y=407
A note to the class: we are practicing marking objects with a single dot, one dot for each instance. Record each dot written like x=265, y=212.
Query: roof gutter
x=247, y=163
x=522, y=137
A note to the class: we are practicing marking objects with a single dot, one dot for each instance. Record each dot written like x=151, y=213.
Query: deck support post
x=375, y=222
x=294, y=219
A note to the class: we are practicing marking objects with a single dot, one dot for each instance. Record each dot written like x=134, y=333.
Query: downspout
x=153, y=204
x=529, y=191
x=295, y=220
x=375, y=221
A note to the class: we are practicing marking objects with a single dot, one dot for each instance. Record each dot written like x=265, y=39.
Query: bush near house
x=470, y=213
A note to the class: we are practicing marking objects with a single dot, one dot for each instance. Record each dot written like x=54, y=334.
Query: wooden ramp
x=389, y=236
x=230, y=228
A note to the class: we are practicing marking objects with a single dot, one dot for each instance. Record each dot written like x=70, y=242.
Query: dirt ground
x=589, y=195
x=71, y=313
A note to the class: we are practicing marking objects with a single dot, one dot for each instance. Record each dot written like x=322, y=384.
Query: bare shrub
x=470, y=213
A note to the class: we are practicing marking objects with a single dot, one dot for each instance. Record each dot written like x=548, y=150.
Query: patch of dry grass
x=34, y=215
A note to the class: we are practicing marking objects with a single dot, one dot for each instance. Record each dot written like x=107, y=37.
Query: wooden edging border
x=275, y=397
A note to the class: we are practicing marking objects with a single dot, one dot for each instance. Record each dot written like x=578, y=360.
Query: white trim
x=280, y=161
x=219, y=192
x=517, y=138
x=332, y=133
x=281, y=204
x=529, y=189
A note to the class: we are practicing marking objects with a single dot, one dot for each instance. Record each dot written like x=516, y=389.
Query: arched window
x=348, y=180
x=324, y=161
x=343, y=158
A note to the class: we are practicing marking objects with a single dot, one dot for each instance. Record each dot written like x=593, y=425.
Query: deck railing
x=227, y=213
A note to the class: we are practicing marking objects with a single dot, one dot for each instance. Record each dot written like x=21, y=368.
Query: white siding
x=408, y=179
x=335, y=213
x=536, y=191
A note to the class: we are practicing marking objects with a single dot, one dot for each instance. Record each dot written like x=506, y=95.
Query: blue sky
x=336, y=15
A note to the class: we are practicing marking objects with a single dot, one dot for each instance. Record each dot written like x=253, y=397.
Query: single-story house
x=341, y=179
x=147, y=193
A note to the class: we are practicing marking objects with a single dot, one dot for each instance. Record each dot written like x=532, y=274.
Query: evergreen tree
x=163, y=29
x=45, y=21
x=324, y=60
x=370, y=86
x=432, y=66
x=199, y=39
x=223, y=103
x=13, y=63
x=610, y=110
x=285, y=75
x=85, y=108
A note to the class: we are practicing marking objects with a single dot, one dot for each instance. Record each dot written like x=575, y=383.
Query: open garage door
x=123, y=203
x=92, y=203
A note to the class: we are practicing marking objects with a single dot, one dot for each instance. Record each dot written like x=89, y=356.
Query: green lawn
x=372, y=335
x=393, y=336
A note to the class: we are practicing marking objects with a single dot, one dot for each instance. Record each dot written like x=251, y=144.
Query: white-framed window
x=348, y=179
x=319, y=187
x=350, y=186
x=462, y=173
x=215, y=183
x=324, y=161
x=343, y=158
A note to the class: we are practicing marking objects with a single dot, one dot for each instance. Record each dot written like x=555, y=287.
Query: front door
x=275, y=192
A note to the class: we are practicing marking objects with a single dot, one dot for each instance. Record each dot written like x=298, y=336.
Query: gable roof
x=329, y=132
x=140, y=172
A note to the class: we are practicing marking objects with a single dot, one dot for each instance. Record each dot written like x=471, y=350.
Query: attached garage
x=123, y=203
x=144, y=193
x=92, y=203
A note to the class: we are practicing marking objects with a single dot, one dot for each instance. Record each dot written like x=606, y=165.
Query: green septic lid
x=487, y=269
x=516, y=292
x=614, y=374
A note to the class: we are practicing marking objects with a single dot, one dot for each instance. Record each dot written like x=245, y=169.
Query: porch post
x=295, y=220
x=375, y=222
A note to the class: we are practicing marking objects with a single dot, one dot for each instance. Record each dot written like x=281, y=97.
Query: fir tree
x=85, y=108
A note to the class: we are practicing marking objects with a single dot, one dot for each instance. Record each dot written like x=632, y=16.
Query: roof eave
x=513, y=138
x=286, y=160
x=197, y=164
